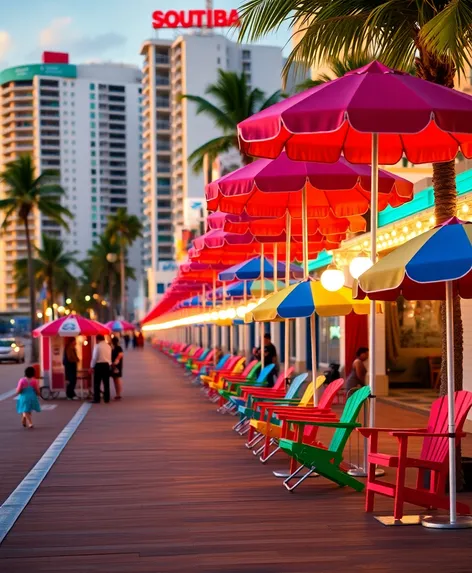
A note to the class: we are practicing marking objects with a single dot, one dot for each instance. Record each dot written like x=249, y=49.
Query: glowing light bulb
x=419, y=224
x=432, y=220
x=359, y=265
x=332, y=279
x=465, y=208
x=394, y=233
x=405, y=229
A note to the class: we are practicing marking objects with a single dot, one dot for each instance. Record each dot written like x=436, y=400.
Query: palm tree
x=434, y=35
x=50, y=266
x=123, y=230
x=233, y=101
x=340, y=67
x=24, y=194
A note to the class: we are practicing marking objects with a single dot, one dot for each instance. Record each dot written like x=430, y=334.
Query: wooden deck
x=158, y=483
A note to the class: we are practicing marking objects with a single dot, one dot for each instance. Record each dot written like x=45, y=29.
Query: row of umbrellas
x=312, y=187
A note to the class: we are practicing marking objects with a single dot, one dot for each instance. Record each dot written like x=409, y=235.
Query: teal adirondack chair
x=232, y=389
x=326, y=462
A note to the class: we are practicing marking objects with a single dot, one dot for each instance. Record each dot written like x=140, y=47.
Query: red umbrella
x=421, y=120
x=72, y=325
x=332, y=190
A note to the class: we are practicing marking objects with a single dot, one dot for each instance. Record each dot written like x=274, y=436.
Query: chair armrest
x=423, y=434
x=325, y=424
x=367, y=432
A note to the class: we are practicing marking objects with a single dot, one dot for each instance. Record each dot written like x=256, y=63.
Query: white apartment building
x=173, y=193
x=84, y=122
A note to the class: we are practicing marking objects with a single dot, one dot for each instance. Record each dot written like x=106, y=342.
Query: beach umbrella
x=302, y=300
x=371, y=115
x=71, y=325
x=120, y=326
x=435, y=265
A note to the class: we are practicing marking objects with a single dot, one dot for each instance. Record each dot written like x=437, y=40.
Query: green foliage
x=397, y=29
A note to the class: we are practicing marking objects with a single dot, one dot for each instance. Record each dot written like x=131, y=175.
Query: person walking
x=117, y=367
x=101, y=362
x=126, y=339
x=270, y=357
x=135, y=340
x=28, y=392
x=71, y=360
x=140, y=340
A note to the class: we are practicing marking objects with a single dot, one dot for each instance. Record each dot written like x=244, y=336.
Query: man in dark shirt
x=270, y=357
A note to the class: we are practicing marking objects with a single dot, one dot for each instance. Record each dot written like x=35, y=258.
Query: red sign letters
x=195, y=19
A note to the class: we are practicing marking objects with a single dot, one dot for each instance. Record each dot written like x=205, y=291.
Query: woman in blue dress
x=28, y=392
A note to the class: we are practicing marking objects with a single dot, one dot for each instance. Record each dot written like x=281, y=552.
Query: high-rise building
x=173, y=193
x=83, y=121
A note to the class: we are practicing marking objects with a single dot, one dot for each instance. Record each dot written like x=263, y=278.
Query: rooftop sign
x=29, y=72
x=195, y=19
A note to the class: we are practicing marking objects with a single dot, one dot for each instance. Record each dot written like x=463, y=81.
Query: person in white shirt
x=101, y=362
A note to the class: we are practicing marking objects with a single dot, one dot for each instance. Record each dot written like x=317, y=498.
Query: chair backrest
x=307, y=398
x=230, y=361
x=209, y=355
x=222, y=361
x=249, y=367
x=330, y=392
x=437, y=449
x=295, y=386
x=280, y=382
x=204, y=354
x=239, y=365
x=351, y=410
x=263, y=374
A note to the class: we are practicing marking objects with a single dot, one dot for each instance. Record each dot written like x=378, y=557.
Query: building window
x=161, y=288
x=92, y=86
x=94, y=199
x=94, y=189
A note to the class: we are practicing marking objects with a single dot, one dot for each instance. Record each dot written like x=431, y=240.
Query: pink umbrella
x=72, y=325
x=421, y=120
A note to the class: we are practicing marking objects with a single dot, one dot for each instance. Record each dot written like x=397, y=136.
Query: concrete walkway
x=158, y=483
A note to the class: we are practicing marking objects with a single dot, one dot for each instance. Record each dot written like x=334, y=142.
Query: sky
x=90, y=30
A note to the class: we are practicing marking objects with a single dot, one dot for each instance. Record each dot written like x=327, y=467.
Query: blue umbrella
x=252, y=269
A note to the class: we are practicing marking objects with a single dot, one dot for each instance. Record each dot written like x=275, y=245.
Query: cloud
x=60, y=35
x=6, y=44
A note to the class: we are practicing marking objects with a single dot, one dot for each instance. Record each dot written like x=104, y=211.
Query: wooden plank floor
x=158, y=483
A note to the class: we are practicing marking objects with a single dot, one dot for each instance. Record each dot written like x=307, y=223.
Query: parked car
x=12, y=349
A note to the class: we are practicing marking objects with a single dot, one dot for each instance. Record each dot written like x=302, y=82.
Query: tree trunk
x=123, y=280
x=32, y=292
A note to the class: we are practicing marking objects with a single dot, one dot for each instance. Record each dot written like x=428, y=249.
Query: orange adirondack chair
x=434, y=457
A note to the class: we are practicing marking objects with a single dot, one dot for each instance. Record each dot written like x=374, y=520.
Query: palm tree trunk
x=123, y=280
x=32, y=291
x=51, y=290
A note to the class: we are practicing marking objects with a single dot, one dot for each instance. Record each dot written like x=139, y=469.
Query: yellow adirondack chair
x=214, y=382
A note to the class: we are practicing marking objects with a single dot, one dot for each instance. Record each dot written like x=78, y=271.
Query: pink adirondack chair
x=434, y=457
x=277, y=390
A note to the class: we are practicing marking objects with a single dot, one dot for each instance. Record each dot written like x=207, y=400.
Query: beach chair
x=234, y=365
x=326, y=461
x=232, y=389
x=433, y=461
x=269, y=427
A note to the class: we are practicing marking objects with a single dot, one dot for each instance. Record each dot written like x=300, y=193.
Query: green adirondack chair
x=326, y=462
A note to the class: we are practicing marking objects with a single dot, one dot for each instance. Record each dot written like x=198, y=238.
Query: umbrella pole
x=245, y=326
x=214, y=322
x=452, y=521
x=231, y=331
x=276, y=270
x=262, y=327
x=374, y=200
x=305, y=276
x=288, y=233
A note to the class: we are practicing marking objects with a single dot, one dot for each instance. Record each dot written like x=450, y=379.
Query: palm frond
x=207, y=108
x=211, y=149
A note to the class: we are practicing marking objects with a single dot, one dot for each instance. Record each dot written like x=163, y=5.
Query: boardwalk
x=158, y=483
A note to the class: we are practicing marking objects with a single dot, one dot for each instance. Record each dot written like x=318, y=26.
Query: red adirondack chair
x=434, y=457
x=277, y=390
